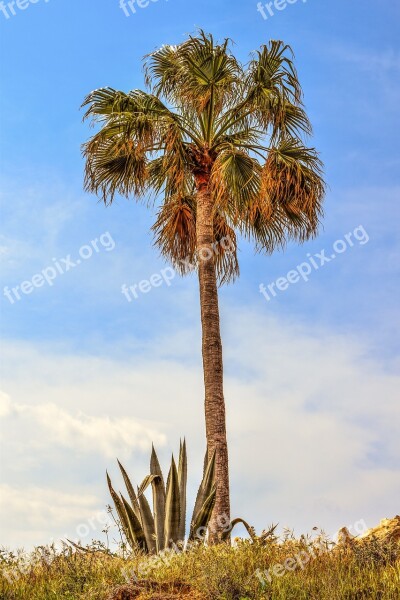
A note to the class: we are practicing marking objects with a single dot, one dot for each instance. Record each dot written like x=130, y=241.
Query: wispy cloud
x=31, y=509
x=85, y=433
x=308, y=409
x=368, y=60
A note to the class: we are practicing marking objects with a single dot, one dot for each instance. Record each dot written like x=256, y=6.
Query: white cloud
x=311, y=415
x=5, y=405
x=107, y=435
x=44, y=513
x=35, y=506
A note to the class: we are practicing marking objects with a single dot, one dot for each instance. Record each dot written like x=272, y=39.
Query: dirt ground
x=146, y=590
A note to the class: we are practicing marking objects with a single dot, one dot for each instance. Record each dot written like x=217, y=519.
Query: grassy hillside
x=269, y=569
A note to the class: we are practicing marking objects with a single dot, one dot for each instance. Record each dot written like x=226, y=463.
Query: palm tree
x=220, y=145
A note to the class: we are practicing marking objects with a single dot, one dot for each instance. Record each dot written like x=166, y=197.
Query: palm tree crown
x=208, y=118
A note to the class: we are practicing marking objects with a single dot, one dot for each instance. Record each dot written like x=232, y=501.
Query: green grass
x=370, y=572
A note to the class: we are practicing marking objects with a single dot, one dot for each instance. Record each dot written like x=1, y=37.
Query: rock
x=387, y=531
x=344, y=537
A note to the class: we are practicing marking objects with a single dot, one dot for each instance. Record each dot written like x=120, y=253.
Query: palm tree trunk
x=212, y=358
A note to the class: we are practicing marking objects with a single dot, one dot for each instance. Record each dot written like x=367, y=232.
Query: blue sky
x=85, y=372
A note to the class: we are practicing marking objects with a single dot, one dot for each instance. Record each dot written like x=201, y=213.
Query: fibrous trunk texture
x=212, y=359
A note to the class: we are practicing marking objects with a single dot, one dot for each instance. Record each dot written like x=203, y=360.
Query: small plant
x=152, y=532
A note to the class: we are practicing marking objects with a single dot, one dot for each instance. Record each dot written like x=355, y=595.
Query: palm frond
x=289, y=205
x=289, y=120
x=207, y=119
x=225, y=250
x=134, y=126
x=235, y=178
x=263, y=226
x=175, y=231
x=272, y=73
x=175, y=236
x=196, y=75
x=270, y=92
x=114, y=165
x=292, y=177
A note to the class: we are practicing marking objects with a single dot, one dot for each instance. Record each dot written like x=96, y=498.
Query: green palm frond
x=289, y=206
x=195, y=75
x=115, y=166
x=136, y=114
x=133, y=125
x=235, y=178
x=107, y=101
x=270, y=92
x=291, y=120
x=163, y=71
x=208, y=117
x=272, y=73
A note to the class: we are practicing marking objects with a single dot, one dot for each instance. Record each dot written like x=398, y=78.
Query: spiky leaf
x=158, y=486
x=205, y=488
x=147, y=522
x=200, y=523
x=121, y=513
x=131, y=491
x=182, y=478
x=172, y=507
x=134, y=525
x=148, y=480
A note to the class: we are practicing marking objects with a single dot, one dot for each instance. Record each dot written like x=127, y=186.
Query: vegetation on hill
x=263, y=569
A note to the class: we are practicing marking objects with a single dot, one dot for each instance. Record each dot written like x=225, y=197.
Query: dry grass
x=368, y=572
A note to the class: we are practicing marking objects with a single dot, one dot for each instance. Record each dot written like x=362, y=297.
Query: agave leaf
x=131, y=491
x=182, y=478
x=204, y=515
x=147, y=522
x=250, y=529
x=148, y=480
x=121, y=513
x=172, y=507
x=158, y=500
x=205, y=462
x=134, y=525
x=205, y=488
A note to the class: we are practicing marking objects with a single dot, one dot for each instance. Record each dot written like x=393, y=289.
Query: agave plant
x=154, y=531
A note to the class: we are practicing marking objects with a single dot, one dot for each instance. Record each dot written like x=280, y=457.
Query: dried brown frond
x=175, y=230
x=225, y=251
x=292, y=182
